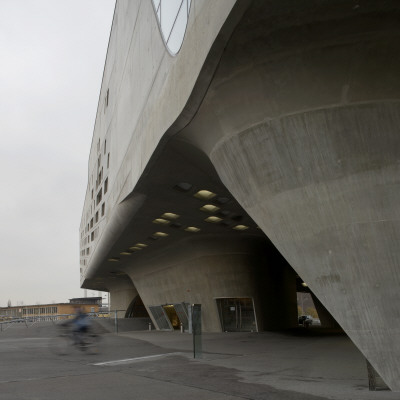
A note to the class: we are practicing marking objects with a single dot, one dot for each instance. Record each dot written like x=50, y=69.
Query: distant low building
x=86, y=300
x=52, y=311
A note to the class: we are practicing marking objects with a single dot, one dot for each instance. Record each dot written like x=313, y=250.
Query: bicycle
x=67, y=340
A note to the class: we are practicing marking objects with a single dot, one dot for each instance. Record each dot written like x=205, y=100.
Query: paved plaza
x=160, y=365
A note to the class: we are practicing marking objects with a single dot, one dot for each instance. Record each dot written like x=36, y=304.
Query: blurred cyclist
x=80, y=326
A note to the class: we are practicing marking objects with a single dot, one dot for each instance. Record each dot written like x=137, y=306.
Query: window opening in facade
x=160, y=318
x=136, y=309
x=99, y=196
x=182, y=312
x=172, y=316
x=105, y=186
x=172, y=17
x=237, y=314
x=107, y=98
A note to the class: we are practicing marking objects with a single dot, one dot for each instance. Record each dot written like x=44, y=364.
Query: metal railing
x=6, y=321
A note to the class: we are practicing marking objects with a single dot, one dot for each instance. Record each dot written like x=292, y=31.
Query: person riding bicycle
x=80, y=326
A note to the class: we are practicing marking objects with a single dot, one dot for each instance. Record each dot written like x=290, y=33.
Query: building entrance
x=237, y=314
x=172, y=316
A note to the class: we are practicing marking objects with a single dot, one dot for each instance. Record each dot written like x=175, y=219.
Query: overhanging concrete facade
x=289, y=113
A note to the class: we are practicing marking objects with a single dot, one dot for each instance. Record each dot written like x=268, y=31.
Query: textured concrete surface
x=159, y=365
x=313, y=156
x=297, y=107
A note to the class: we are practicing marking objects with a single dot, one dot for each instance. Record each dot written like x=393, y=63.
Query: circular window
x=172, y=16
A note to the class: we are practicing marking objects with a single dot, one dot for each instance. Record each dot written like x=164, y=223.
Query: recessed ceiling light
x=117, y=273
x=140, y=245
x=209, y=208
x=192, y=229
x=135, y=248
x=204, y=195
x=240, y=227
x=161, y=221
x=125, y=253
x=304, y=284
x=170, y=215
x=115, y=259
x=213, y=219
x=160, y=234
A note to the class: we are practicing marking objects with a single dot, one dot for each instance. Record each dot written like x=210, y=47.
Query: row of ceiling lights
x=169, y=218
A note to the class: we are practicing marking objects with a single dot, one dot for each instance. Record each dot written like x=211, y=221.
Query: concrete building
x=262, y=151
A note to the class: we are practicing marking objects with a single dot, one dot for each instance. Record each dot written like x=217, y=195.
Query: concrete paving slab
x=160, y=365
x=314, y=363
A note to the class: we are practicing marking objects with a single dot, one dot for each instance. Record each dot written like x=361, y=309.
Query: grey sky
x=52, y=55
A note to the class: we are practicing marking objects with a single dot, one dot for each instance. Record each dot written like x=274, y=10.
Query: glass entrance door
x=237, y=314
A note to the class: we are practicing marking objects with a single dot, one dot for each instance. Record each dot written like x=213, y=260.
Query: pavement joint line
x=136, y=359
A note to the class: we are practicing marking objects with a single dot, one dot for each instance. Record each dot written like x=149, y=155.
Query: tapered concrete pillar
x=122, y=292
x=204, y=269
x=303, y=129
x=326, y=319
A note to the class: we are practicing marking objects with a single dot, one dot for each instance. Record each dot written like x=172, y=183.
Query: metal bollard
x=181, y=327
x=149, y=326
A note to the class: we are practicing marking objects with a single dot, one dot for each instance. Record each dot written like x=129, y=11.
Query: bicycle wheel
x=91, y=343
x=60, y=345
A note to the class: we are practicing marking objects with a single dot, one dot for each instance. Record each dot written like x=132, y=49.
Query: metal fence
x=7, y=322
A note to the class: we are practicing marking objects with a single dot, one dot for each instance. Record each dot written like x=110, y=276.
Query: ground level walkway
x=159, y=365
x=315, y=361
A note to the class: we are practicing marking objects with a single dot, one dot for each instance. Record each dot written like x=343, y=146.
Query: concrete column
x=201, y=270
x=303, y=129
x=122, y=292
x=327, y=321
x=330, y=203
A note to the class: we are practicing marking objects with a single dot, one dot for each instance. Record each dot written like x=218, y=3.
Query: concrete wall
x=199, y=271
x=122, y=292
x=138, y=76
x=301, y=121
x=303, y=128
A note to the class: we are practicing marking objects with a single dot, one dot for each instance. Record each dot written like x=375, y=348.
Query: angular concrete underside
x=297, y=108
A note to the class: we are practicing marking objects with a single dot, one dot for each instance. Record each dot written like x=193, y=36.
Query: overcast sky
x=52, y=54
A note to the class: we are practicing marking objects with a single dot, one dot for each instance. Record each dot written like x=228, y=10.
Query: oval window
x=172, y=16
